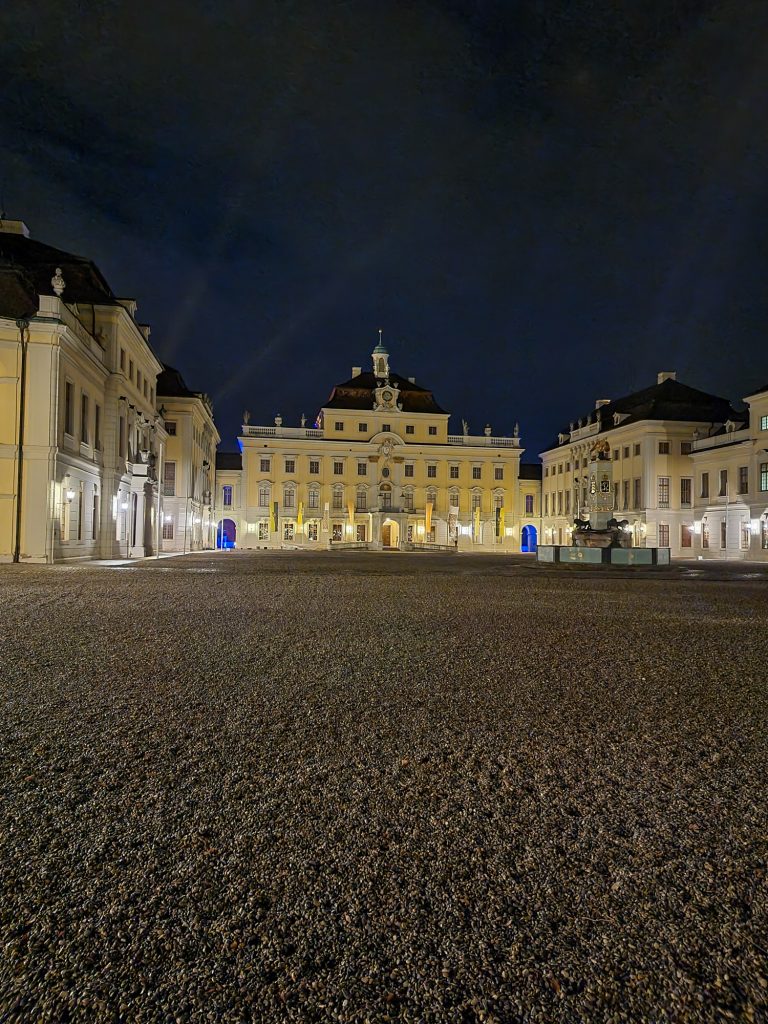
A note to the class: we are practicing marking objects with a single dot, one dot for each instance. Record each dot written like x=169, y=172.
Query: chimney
x=356, y=371
x=601, y=402
x=666, y=375
x=14, y=227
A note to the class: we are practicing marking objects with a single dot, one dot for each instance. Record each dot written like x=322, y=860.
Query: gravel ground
x=367, y=788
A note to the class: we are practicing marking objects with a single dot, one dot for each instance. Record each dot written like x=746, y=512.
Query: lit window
x=764, y=422
x=287, y=531
x=168, y=531
x=764, y=476
x=263, y=530
x=312, y=531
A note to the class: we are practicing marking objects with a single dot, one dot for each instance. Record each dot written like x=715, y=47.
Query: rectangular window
x=336, y=532
x=567, y=467
x=314, y=466
x=663, y=492
x=386, y=427
x=476, y=500
x=409, y=534
x=264, y=465
x=263, y=497
x=685, y=447
x=138, y=379
x=705, y=485
x=122, y=359
x=743, y=479
x=529, y=504
x=287, y=531
x=95, y=515
x=289, y=497
x=227, y=494
x=130, y=368
x=290, y=466
x=704, y=534
x=84, y=417
x=453, y=472
x=476, y=470
x=168, y=531
x=723, y=483
x=560, y=468
x=686, y=536
x=80, y=513
x=263, y=530
x=432, y=431
x=146, y=389
x=559, y=503
x=360, y=501
x=723, y=533
x=764, y=422
x=361, y=533
x=385, y=499
x=169, y=479
x=626, y=452
x=409, y=470
x=408, y=500
x=314, y=498
x=409, y=428
x=338, y=468
x=663, y=535
x=363, y=428
x=69, y=409
x=362, y=468
x=498, y=473
x=625, y=493
x=338, y=500
x=432, y=472
x=686, y=492
x=311, y=531
x=746, y=536
x=764, y=476
x=567, y=502
x=97, y=428
x=663, y=447
x=615, y=454
x=338, y=425
x=546, y=504
x=637, y=449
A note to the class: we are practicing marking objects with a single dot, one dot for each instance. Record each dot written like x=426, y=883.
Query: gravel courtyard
x=366, y=788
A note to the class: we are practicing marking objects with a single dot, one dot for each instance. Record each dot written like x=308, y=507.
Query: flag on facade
x=273, y=518
x=351, y=512
x=428, y=523
x=300, y=515
x=502, y=518
x=477, y=523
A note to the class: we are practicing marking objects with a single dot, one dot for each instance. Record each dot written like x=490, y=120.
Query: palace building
x=651, y=435
x=378, y=469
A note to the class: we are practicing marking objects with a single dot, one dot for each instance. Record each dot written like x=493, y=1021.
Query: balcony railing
x=483, y=441
x=297, y=432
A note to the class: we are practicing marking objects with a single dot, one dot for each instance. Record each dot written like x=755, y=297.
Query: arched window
x=453, y=497
x=264, y=494
x=289, y=496
x=338, y=496
x=313, y=497
x=408, y=499
x=361, y=499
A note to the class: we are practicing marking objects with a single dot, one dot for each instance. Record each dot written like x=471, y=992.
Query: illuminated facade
x=651, y=436
x=80, y=438
x=379, y=469
x=730, y=479
x=189, y=465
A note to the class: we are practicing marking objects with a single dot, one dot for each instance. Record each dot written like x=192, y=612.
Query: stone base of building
x=566, y=554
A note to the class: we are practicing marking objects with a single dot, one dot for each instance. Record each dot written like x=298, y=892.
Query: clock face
x=387, y=396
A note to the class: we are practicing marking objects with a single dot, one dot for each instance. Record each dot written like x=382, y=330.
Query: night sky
x=540, y=203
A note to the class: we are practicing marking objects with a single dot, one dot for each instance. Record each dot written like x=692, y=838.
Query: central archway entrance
x=529, y=539
x=390, y=535
x=226, y=534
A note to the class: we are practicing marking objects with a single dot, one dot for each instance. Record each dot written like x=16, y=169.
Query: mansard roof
x=84, y=281
x=170, y=384
x=670, y=400
x=357, y=393
x=229, y=460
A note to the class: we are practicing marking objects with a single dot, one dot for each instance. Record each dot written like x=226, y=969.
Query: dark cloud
x=540, y=203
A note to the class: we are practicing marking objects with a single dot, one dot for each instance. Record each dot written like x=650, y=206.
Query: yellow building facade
x=650, y=435
x=80, y=438
x=379, y=469
x=189, y=465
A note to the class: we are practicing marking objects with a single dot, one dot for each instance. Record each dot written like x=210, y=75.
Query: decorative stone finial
x=246, y=417
x=516, y=431
x=465, y=427
x=487, y=430
x=58, y=283
x=303, y=419
x=278, y=420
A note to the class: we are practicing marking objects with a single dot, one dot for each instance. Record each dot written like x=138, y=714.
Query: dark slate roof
x=530, y=471
x=229, y=460
x=669, y=400
x=18, y=298
x=84, y=281
x=171, y=384
x=357, y=393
